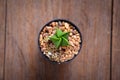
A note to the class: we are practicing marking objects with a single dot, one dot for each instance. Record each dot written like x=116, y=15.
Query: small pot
x=62, y=20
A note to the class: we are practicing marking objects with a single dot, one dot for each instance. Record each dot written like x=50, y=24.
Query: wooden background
x=21, y=21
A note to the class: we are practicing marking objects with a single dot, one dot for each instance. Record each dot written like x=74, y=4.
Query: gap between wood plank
x=5, y=39
x=112, y=11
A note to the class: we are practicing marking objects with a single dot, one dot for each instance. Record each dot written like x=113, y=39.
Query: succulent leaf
x=64, y=42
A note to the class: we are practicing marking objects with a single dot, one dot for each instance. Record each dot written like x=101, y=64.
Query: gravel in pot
x=60, y=40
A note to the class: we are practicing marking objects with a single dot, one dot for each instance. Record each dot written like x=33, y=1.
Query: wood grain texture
x=94, y=21
x=26, y=18
x=115, y=41
x=2, y=36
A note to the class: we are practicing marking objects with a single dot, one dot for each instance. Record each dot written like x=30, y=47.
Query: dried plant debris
x=60, y=41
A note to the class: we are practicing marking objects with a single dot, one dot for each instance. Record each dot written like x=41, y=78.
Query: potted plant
x=60, y=40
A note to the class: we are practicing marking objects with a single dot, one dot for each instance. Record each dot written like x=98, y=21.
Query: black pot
x=62, y=20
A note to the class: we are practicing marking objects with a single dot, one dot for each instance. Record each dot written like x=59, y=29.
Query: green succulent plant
x=60, y=38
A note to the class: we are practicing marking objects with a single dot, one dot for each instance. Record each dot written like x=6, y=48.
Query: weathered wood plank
x=23, y=60
x=94, y=20
x=26, y=17
x=2, y=36
x=115, y=41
